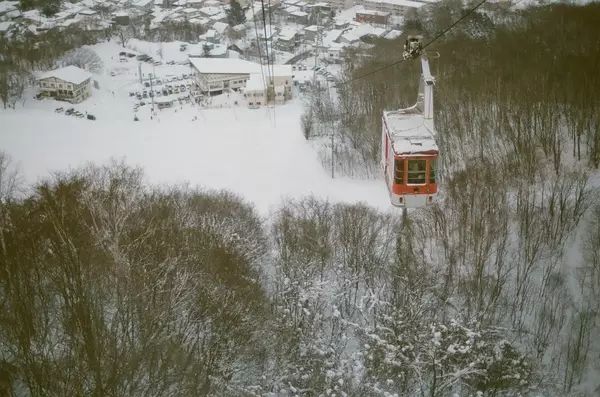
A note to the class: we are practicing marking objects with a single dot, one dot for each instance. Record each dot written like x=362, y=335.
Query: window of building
x=432, y=170
x=416, y=171
x=399, y=171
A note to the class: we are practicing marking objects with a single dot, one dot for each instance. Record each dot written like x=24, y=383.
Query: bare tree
x=84, y=58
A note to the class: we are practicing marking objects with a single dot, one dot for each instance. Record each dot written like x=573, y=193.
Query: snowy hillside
x=258, y=153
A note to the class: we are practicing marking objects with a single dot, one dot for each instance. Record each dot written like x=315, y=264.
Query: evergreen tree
x=235, y=14
x=50, y=7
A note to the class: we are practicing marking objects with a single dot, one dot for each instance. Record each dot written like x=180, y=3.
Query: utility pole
x=140, y=72
x=332, y=157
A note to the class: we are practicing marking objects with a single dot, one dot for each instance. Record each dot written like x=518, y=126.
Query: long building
x=394, y=7
x=217, y=75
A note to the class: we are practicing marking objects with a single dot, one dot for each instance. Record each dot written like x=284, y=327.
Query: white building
x=394, y=7
x=255, y=91
x=216, y=75
x=70, y=84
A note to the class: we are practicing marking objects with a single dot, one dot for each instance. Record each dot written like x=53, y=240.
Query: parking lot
x=167, y=91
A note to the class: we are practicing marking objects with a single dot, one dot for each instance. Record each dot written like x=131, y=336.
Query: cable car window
x=432, y=169
x=399, y=171
x=416, y=171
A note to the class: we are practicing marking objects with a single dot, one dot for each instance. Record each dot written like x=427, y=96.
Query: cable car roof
x=410, y=132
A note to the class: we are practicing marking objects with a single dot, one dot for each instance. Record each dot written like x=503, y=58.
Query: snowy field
x=259, y=154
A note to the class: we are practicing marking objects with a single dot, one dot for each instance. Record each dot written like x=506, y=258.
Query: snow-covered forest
x=111, y=286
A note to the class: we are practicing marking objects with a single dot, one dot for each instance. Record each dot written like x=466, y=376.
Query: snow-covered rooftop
x=70, y=74
x=234, y=66
x=220, y=27
x=142, y=3
x=220, y=16
x=299, y=14
x=402, y=3
x=313, y=28
x=7, y=6
x=210, y=10
x=411, y=133
x=393, y=34
x=287, y=34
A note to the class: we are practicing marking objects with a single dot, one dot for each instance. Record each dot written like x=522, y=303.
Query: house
x=372, y=17
x=143, y=5
x=334, y=52
x=219, y=17
x=209, y=11
x=8, y=7
x=214, y=76
x=287, y=40
x=211, y=36
x=190, y=13
x=318, y=10
x=341, y=4
x=195, y=3
x=220, y=28
x=121, y=18
x=354, y=35
x=255, y=90
x=298, y=16
x=312, y=32
x=71, y=84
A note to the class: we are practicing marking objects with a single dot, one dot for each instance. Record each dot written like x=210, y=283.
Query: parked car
x=158, y=81
x=91, y=117
x=131, y=93
x=171, y=63
x=142, y=103
x=69, y=111
x=58, y=110
x=145, y=94
x=156, y=63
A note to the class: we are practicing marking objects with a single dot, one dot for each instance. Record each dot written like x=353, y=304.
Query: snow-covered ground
x=260, y=154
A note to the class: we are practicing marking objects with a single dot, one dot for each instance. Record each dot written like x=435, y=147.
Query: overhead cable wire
x=262, y=72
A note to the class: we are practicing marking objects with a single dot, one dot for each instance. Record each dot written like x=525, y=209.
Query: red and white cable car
x=409, y=151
